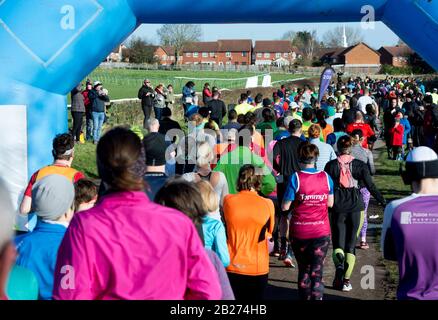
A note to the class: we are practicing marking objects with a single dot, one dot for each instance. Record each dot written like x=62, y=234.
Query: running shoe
x=364, y=245
x=339, y=278
x=373, y=217
x=283, y=255
x=275, y=253
x=289, y=262
x=347, y=286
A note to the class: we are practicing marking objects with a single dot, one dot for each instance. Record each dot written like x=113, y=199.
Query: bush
x=391, y=70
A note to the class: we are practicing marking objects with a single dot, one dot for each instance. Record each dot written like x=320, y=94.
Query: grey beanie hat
x=52, y=196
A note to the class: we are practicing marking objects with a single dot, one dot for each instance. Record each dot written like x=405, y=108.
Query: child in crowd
x=396, y=138
x=85, y=195
x=406, y=130
x=53, y=198
x=212, y=226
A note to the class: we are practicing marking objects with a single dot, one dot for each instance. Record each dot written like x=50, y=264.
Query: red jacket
x=396, y=134
x=366, y=131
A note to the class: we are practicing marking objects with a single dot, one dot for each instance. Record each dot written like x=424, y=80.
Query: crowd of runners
x=197, y=213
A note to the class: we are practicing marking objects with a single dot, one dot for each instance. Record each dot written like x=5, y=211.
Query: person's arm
x=202, y=279
x=364, y=174
x=370, y=163
x=270, y=230
x=332, y=154
x=331, y=197
x=387, y=241
x=276, y=157
x=289, y=195
x=224, y=109
x=220, y=244
x=224, y=191
x=26, y=203
x=140, y=93
x=73, y=272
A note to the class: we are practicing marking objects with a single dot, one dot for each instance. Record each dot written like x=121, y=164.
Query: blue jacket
x=407, y=129
x=215, y=238
x=37, y=251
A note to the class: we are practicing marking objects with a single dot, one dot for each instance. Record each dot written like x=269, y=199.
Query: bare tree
x=334, y=38
x=178, y=35
x=289, y=35
x=307, y=42
x=140, y=51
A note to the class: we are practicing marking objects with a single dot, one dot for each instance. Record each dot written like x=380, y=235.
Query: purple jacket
x=128, y=247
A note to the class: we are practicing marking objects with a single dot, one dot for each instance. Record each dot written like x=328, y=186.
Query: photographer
x=147, y=95
x=98, y=96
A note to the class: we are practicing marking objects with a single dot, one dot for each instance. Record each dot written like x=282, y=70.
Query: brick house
x=359, y=55
x=397, y=56
x=221, y=52
x=275, y=52
x=165, y=55
x=234, y=52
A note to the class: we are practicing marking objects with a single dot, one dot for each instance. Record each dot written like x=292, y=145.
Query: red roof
x=170, y=51
x=397, y=51
x=200, y=47
x=235, y=45
x=280, y=46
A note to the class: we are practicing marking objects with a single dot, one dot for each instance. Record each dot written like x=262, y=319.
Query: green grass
x=388, y=179
x=124, y=83
x=85, y=159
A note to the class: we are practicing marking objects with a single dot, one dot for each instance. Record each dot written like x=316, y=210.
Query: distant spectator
x=232, y=121
x=217, y=108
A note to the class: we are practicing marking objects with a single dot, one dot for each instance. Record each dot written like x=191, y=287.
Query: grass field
x=124, y=83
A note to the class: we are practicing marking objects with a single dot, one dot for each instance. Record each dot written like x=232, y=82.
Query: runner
x=410, y=228
x=311, y=194
x=347, y=214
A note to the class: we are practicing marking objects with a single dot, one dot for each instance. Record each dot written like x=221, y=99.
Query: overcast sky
x=380, y=36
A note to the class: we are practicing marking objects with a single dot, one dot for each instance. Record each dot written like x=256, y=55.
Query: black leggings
x=248, y=288
x=77, y=124
x=147, y=115
x=310, y=255
x=345, y=230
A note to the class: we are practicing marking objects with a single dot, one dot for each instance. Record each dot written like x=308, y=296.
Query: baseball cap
x=421, y=163
x=155, y=149
x=97, y=83
x=52, y=196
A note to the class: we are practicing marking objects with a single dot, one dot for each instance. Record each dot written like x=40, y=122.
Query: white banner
x=13, y=152
x=252, y=82
x=267, y=81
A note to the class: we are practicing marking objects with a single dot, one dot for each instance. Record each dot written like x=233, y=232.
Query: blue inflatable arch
x=48, y=46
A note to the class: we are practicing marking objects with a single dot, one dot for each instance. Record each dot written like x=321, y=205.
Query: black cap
x=166, y=112
x=155, y=149
x=267, y=102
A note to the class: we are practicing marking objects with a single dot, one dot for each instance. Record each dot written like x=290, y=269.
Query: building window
x=205, y=54
x=267, y=55
x=211, y=54
x=259, y=55
x=195, y=54
x=228, y=54
x=278, y=55
x=286, y=55
x=188, y=54
x=244, y=53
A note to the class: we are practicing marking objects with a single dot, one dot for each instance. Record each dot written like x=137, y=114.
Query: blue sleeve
x=331, y=139
x=220, y=245
x=292, y=188
x=331, y=185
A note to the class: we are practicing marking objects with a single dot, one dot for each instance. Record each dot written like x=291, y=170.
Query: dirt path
x=283, y=280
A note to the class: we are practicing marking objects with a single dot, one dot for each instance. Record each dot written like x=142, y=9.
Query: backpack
x=346, y=179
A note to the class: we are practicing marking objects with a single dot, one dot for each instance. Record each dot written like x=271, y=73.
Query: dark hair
x=356, y=135
x=308, y=114
x=167, y=112
x=241, y=135
x=258, y=98
x=280, y=122
x=204, y=112
x=295, y=125
x=338, y=125
x=320, y=116
x=61, y=144
x=248, y=179
x=183, y=196
x=243, y=97
x=268, y=115
x=250, y=118
x=308, y=153
x=267, y=102
x=117, y=153
x=344, y=145
x=248, y=92
x=85, y=191
x=241, y=119
x=190, y=84
x=370, y=109
x=232, y=114
x=206, y=84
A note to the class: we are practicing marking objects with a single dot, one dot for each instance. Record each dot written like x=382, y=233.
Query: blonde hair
x=196, y=118
x=209, y=196
x=314, y=131
x=204, y=154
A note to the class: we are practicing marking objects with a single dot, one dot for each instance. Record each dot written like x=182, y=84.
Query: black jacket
x=286, y=156
x=146, y=100
x=218, y=110
x=349, y=115
x=350, y=200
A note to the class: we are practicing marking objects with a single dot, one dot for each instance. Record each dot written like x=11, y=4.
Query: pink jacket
x=128, y=247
